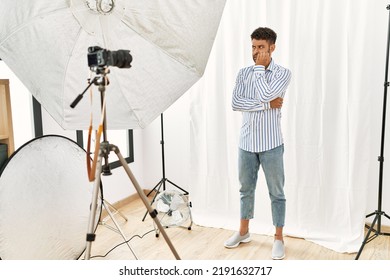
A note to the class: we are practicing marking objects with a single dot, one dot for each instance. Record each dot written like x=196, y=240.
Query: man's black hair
x=264, y=33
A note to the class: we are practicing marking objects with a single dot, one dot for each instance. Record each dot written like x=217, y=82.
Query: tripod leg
x=372, y=214
x=184, y=191
x=366, y=238
x=92, y=214
x=151, y=211
x=158, y=186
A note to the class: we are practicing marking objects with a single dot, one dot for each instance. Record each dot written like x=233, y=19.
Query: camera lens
x=121, y=58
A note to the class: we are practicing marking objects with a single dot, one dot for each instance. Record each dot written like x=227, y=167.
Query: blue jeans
x=272, y=164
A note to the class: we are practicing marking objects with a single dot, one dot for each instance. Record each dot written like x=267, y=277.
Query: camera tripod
x=104, y=150
x=379, y=213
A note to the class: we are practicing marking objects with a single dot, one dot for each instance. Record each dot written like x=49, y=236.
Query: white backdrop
x=331, y=117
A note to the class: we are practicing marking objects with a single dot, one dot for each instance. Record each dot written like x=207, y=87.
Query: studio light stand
x=104, y=151
x=162, y=182
x=379, y=213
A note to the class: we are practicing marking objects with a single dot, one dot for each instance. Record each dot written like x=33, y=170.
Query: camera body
x=101, y=58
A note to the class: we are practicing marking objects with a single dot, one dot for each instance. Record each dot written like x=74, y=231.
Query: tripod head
x=101, y=78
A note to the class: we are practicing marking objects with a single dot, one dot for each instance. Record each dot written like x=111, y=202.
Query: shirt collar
x=271, y=65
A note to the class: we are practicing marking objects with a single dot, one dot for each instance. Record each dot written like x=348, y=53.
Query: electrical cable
x=120, y=244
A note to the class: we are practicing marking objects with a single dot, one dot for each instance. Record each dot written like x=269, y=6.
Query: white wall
x=21, y=107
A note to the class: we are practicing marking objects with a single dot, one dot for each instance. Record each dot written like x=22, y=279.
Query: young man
x=258, y=94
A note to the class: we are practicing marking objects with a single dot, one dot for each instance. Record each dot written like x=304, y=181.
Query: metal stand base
x=375, y=232
x=105, y=149
x=117, y=228
x=108, y=206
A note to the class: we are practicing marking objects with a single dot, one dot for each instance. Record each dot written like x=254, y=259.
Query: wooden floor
x=202, y=243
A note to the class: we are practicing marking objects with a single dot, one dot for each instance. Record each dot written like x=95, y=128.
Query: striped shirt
x=255, y=88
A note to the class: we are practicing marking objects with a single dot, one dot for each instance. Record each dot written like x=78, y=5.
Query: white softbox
x=45, y=43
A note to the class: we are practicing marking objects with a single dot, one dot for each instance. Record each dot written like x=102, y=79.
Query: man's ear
x=272, y=47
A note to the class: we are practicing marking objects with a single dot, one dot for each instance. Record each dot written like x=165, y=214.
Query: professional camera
x=98, y=57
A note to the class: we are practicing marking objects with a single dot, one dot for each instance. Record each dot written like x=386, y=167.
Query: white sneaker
x=278, y=250
x=236, y=239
